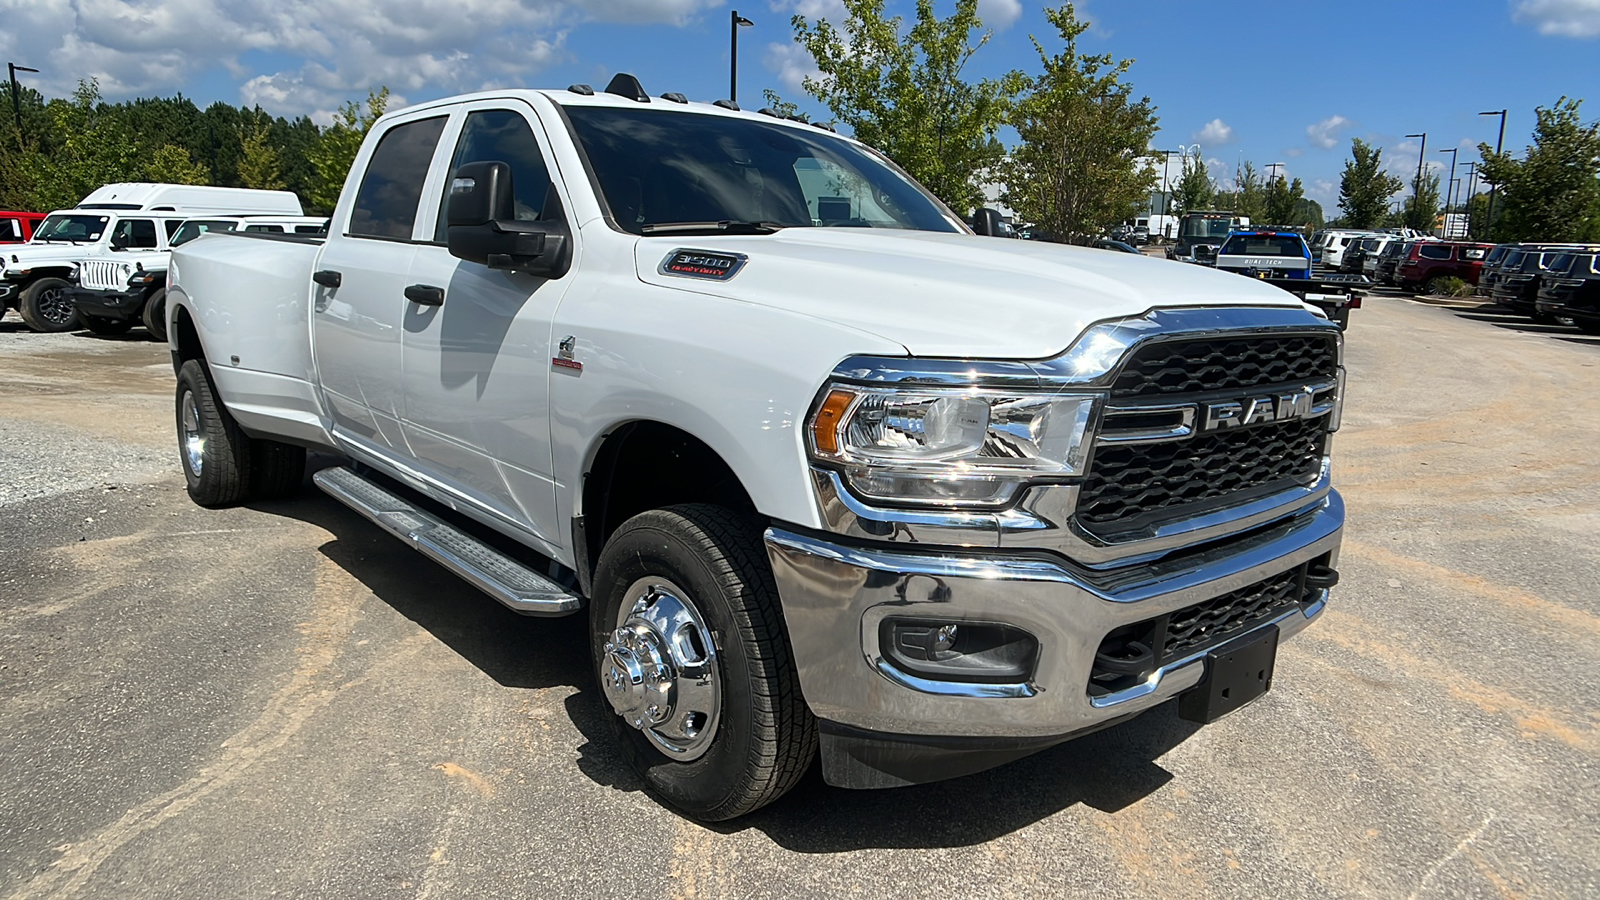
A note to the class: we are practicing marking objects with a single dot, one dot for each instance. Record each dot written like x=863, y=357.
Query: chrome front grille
x=1245, y=361
x=100, y=275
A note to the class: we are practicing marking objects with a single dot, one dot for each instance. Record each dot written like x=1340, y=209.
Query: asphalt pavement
x=281, y=701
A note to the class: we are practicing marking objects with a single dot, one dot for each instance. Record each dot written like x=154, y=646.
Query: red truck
x=1425, y=264
x=17, y=227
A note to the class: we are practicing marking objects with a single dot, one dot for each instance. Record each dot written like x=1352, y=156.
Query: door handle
x=328, y=278
x=425, y=294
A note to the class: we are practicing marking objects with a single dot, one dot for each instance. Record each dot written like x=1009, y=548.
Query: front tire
x=155, y=314
x=709, y=714
x=45, y=308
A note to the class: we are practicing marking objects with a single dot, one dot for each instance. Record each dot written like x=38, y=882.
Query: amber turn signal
x=825, y=425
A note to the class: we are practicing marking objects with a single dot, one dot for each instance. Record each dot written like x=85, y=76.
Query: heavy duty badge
x=708, y=264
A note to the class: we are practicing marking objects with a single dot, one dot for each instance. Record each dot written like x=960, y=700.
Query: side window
x=172, y=227
x=135, y=234
x=308, y=229
x=265, y=229
x=391, y=188
x=501, y=135
x=1434, y=251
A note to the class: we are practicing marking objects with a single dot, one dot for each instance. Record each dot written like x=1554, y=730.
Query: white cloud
x=1215, y=131
x=1295, y=152
x=334, y=51
x=1564, y=18
x=792, y=64
x=999, y=14
x=1325, y=134
x=1324, y=192
x=833, y=10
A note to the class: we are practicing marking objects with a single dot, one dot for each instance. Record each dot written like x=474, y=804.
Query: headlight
x=957, y=446
x=126, y=270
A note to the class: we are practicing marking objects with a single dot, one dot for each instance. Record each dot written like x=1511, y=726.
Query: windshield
x=660, y=168
x=1207, y=227
x=68, y=227
x=1561, y=263
x=1263, y=245
x=193, y=228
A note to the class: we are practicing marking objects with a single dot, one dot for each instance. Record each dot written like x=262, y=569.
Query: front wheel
x=45, y=307
x=689, y=644
x=155, y=314
x=222, y=465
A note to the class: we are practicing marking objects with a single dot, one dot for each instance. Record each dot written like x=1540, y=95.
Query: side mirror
x=119, y=241
x=482, y=225
x=987, y=222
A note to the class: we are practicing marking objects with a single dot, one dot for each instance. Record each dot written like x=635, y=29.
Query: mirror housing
x=119, y=241
x=987, y=222
x=482, y=225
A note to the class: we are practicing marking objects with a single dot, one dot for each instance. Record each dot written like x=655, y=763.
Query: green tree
x=171, y=164
x=1079, y=166
x=1281, y=199
x=779, y=105
x=1365, y=188
x=88, y=148
x=907, y=94
x=1422, y=210
x=258, y=158
x=1307, y=212
x=335, y=151
x=1552, y=193
x=1194, y=189
x=1249, y=195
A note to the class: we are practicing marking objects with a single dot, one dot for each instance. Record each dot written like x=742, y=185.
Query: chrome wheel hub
x=194, y=443
x=659, y=669
x=55, y=307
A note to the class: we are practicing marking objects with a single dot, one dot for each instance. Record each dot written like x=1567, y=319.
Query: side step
x=491, y=571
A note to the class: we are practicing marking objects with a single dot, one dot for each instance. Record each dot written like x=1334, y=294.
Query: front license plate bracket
x=1236, y=673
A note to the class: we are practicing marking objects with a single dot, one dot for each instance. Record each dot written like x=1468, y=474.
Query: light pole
x=1472, y=192
x=1498, y=142
x=1416, y=188
x=1166, y=189
x=735, y=21
x=1451, y=191
x=16, y=98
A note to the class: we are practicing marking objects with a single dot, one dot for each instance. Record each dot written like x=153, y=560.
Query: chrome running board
x=486, y=568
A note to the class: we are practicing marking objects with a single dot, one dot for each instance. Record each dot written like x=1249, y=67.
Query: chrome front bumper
x=836, y=594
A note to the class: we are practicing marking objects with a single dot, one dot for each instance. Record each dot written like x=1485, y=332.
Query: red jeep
x=1427, y=263
x=17, y=227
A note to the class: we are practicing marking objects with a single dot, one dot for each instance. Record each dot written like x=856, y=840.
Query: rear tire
x=1436, y=287
x=223, y=466
x=45, y=308
x=760, y=737
x=155, y=315
x=102, y=325
x=1588, y=326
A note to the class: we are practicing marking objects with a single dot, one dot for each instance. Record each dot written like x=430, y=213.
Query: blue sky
x=1281, y=82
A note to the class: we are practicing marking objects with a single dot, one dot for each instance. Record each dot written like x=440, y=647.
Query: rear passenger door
x=356, y=325
x=477, y=363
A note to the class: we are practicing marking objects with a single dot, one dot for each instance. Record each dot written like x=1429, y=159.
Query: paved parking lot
x=282, y=701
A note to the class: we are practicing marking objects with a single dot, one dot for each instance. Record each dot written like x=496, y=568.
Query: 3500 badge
x=706, y=264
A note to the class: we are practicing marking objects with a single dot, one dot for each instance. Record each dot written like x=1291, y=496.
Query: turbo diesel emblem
x=1250, y=411
x=707, y=264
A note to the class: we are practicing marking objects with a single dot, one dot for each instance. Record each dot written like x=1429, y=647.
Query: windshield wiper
x=726, y=226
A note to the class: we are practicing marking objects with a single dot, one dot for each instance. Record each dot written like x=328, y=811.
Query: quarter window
x=500, y=135
x=391, y=188
x=1433, y=251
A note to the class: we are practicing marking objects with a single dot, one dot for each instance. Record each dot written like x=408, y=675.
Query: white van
x=191, y=198
x=1329, y=249
x=140, y=216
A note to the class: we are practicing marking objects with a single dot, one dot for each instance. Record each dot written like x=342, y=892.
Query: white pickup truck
x=825, y=469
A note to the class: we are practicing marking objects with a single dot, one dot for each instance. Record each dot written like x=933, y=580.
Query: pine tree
x=1364, y=188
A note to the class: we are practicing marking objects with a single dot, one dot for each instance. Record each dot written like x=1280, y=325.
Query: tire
x=760, y=737
x=155, y=314
x=276, y=469
x=45, y=308
x=1588, y=326
x=102, y=325
x=223, y=466
x=1436, y=286
x=1542, y=318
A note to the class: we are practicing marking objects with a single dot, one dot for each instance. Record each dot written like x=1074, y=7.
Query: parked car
x=126, y=286
x=1426, y=264
x=1357, y=254
x=1334, y=243
x=1140, y=235
x=1491, y=268
x=1108, y=244
x=778, y=505
x=1389, y=260
x=1517, y=287
x=18, y=227
x=1575, y=294
x=1564, y=275
x=139, y=216
x=1265, y=253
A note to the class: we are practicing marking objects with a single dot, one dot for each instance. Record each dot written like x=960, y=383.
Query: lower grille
x=1131, y=653
x=1130, y=485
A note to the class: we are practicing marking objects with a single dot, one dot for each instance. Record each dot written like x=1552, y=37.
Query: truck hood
x=951, y=295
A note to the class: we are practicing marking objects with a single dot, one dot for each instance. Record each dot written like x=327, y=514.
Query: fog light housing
x=947, y=650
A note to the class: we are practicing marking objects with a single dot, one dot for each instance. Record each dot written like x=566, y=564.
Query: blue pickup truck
x=1275, y=254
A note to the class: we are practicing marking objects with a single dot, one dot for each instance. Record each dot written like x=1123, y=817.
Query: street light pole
x=735, y=21
x=1450, y=194
x=1472, y=193
x=1416, y=187
x=16, y=97
x=1499, y=142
